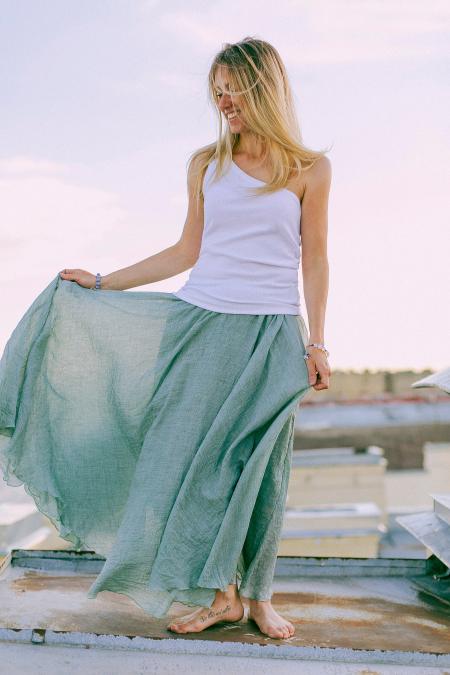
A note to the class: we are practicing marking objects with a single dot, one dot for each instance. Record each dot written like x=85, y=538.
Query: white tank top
x=250, y=250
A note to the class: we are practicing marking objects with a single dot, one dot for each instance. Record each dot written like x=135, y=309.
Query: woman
x=192, y=394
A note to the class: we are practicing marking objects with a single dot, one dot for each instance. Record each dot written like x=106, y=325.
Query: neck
x=250, y=144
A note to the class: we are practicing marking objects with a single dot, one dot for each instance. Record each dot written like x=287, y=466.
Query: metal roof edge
x=88, y=562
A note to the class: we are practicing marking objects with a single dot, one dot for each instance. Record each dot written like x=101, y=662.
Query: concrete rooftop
x=346, y=611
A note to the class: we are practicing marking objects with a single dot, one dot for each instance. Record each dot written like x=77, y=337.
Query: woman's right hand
x=82, y=277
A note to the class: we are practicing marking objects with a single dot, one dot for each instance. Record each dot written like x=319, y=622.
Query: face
x=228, y=103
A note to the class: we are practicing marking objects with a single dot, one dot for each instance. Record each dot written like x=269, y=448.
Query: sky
x=103, y=101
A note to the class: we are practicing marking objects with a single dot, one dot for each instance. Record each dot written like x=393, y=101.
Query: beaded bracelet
x=97, y=286
x=320, y=346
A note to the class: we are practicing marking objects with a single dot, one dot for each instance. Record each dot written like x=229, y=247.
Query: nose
x=225, y=102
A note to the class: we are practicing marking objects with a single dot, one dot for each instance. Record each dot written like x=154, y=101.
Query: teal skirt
x=156, y=433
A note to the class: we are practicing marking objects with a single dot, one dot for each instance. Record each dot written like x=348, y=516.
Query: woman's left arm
x=315, y=269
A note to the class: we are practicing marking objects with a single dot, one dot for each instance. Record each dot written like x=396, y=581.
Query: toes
x=287, y=631
x=276, y=633
x=281, y=633
x=176, y=627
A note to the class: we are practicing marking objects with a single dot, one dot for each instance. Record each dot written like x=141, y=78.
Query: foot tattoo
x=218, y=613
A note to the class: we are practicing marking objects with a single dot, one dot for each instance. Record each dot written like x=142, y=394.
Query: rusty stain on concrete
x=321, y=619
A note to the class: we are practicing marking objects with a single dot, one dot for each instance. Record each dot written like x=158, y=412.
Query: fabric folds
x=157, y=433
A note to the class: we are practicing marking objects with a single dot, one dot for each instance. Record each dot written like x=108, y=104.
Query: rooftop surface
x=373, y=413
x=345, y=610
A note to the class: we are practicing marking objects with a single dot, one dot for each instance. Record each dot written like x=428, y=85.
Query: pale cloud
x=184, y=82
x=149, y=5
x=40, y=203
x=321, y=32
x=20, y=165
x=127, y=87
x=204, y=28
x=49, y=221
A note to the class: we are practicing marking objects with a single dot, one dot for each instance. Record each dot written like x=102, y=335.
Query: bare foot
x=227, y=606
x=268, y=620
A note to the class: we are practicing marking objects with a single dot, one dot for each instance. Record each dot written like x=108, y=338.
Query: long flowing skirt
x=158, y=434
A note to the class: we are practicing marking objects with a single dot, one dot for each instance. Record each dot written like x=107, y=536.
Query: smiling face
x=227, y=102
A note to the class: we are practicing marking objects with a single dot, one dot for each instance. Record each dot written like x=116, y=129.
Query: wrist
x=105, y=283
x=319, y=346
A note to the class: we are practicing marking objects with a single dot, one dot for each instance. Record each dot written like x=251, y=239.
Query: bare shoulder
x=312, y=178
x=197, y=162
x=194, y=168
x=318, y=177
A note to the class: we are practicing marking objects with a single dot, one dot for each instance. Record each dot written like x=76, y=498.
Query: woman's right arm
x=162, y=265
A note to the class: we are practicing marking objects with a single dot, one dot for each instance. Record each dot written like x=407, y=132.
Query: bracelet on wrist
x=319, y=345
x=98, y=282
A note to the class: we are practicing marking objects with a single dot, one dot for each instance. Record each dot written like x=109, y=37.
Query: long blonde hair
x=257, y=73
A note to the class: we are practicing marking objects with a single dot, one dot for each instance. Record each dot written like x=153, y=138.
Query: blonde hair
x=256, y=73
